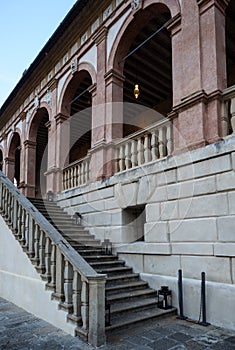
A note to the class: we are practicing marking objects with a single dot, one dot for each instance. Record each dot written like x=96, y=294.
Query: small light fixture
x=136, y=91
x=164, y=298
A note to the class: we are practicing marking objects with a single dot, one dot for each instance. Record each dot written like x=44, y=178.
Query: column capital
x=29, y=144
x=113, y=76
x=205, y=5
x=60, y=118
x=174, y=24
x=100, y=36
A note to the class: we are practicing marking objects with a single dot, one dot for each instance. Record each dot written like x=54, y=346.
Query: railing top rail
x=87, y=157
x=66, y=249
x=149, y=128
x=230, y=91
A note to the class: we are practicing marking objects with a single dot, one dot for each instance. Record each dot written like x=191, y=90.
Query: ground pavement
x=23, y=331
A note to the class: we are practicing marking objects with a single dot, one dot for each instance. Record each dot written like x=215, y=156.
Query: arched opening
x=79, y=103
x=230, y=43
x=39, y=135
x=147, y=61
x=1, y=160
x=14, y=159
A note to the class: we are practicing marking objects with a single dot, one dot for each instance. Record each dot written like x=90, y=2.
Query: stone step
x=138, y=317
x=116, y=279
x=114, y=270
x=107, y=264
x=126, y=306
x=99, y=257
x=131, y=295
x=126, y=286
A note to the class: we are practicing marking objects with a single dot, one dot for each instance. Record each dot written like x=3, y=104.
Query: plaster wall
x=22, y=285
x=190, y=219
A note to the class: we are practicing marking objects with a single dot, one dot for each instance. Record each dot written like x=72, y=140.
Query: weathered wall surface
x=22, y=285
x=189, y=204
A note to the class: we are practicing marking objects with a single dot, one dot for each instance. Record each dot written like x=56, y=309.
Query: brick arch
x=14, y=142
x=133, y=25
x=70, y=84
x=35, y=120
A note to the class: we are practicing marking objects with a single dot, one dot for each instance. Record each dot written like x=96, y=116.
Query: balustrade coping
x=66, y=249
x=71, y=165
x=142, y=131
x=228, y=91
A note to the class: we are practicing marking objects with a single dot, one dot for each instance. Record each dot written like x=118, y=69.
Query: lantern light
x=136, y=91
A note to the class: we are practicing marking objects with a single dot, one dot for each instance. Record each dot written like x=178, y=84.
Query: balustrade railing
x=145, y=146
x=73, y=282
x=77, y=173
x=228, y=111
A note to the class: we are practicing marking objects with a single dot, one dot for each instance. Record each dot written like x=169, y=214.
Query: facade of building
x=153, y=173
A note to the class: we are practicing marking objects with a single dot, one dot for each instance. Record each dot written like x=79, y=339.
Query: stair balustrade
x=144, y=146
x=73, y=282
x=228, y=111
x=77, y=173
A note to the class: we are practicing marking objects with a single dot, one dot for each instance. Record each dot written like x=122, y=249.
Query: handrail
x=79, y=289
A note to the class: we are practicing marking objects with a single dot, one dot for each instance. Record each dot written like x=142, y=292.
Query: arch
x=14, y=158
x=35, y=121
x=37, y=152
x=71, y=81
x=127, y=31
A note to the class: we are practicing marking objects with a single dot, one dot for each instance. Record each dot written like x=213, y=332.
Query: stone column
x=30, y=158
x=213, y=62
x=98, y=138
x=62, y=147
x=52, y=169
x=10, y=168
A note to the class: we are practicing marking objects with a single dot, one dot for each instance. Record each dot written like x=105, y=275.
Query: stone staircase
x=129, y=300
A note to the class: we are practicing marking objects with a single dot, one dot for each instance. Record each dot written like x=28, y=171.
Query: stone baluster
x=42, y=240
x=10, y=211
x=19, y=218
x=133, y=153
x=47, y=274
x=225, y=118
x=23, y=222
x=154, y=145
x=161, y=139
x=32, y=226
x=26, y=243
x=59, y=279
x=147, y=153
x=87, y=170
x=169, y=138
x=84, y=304
x=35, y=259
x=51, y=284
x=1, y=197
x=232, y=111
x=82, y=173
x=79, y=174
x=68, y=287
x=121, y=158
x=140, y=151
x=15, y=212
x=77, y=292
x=127, y=155
x=76, y=175
x=7, y=204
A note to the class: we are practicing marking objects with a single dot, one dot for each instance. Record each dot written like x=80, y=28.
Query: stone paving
x=23, y=331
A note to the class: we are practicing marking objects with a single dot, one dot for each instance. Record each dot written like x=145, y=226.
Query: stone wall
x=189, y=204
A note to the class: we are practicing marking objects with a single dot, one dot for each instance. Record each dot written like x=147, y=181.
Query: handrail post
x=96, y=334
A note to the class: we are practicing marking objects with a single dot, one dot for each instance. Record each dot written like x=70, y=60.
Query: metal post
x=180, y=293
x=203, y=300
